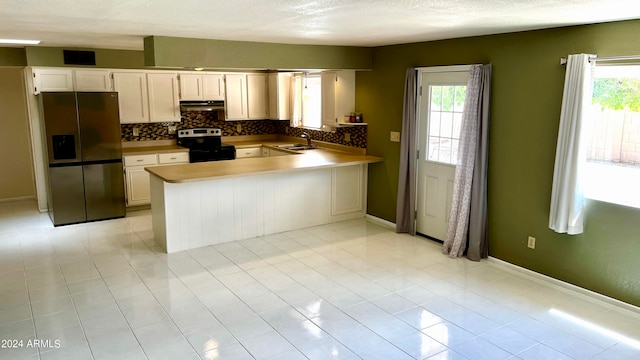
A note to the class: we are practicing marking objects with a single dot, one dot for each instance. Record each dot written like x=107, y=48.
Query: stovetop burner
x=205, y=144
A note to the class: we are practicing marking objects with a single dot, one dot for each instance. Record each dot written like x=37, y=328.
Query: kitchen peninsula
x=199, y=204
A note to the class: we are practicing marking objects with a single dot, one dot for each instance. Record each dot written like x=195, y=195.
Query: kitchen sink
x=303, y=147
x=297, y=147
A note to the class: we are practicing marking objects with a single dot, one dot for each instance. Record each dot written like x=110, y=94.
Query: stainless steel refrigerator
x=85, y=156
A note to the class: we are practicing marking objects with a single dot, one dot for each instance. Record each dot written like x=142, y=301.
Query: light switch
x=395, y=136
x=239, y=128
x=347, y=137
x=136, y=131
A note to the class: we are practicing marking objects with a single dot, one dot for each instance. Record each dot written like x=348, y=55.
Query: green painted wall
x=527, y=89
x=162, y=51
x=12, y=57
x=105, y=58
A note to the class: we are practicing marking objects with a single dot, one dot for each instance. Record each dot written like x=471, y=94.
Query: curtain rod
x=563, y=61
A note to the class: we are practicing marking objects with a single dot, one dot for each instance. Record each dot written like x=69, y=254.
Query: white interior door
x=440, y=106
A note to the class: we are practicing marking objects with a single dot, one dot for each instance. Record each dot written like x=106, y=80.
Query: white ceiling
x=122, y=24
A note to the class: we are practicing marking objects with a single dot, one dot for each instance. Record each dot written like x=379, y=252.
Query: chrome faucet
x=305, y=135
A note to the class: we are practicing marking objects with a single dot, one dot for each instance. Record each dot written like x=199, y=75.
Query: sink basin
x=296, y=147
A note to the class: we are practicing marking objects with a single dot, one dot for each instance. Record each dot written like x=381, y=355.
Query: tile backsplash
x=357, y=134
x=159, y=131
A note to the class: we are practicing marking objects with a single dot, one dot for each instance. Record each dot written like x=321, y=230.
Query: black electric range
x=205, y=144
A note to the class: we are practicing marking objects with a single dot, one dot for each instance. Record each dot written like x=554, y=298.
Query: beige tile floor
x=350, y=290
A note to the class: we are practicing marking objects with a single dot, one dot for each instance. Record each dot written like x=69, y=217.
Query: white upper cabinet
x=149, y=96
x=246, y=96
x=52, y=79
x=258, y=106
x=190, y=87
x=207, y=86
x=338, y=95
x=132, y=96
x=71, y=79
x=329, y=79
x=162, y=89
x=213, y=86
x=92, y=80
x=236, y=97
x=279, y=96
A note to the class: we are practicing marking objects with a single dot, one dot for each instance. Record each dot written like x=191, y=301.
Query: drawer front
x=136, y=160
x=248, y=152
x=173, y=158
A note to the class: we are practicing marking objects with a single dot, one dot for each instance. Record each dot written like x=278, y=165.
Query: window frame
x=299, y=84
x=603, y=179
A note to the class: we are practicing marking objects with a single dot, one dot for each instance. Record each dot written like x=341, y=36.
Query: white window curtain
x=468, y=216
x=296, y=100
x=566, y=214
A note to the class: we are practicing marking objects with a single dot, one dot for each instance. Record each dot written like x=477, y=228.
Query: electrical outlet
x=171, y=129
x=347, y=137
x=136, y=131
x=531, y=242
x=239, y=127
x=395, y=136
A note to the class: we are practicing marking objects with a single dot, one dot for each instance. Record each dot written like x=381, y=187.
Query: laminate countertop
x=142, y=150
x=300, y=160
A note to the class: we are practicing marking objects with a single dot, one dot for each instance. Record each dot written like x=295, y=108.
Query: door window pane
x=434, y=148
x=434, y=123
x=445, y=121
x=446, y=125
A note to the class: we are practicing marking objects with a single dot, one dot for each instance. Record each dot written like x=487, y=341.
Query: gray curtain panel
x=478, y=245
x=406, y=202
x=468, y=218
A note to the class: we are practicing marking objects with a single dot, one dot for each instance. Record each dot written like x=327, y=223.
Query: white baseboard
x=19, y=198
x=588, y=295
x=381, y=222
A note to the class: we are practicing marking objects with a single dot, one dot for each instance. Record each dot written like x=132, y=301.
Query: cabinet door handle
x=140, y=160
x=173, y=158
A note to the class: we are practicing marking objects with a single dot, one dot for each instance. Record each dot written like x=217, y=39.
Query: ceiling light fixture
x=198, y=69
x=19, y=42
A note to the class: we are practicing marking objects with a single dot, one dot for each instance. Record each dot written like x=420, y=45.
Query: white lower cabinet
x=347, y=195
x=137, y=184
x=248, y=152
x=173, y=158
x=194, y=214
x=260, y=152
